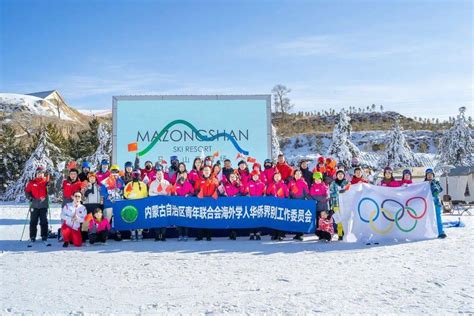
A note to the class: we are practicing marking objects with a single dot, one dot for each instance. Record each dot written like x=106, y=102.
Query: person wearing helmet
x=436, y=189
x=136, y=189
x=104, y=171
x=406, y=178
x=36, y=191
x=127, y=172
x=320, y=165
x=85, y=169
x=339, y=185
x=70, y=185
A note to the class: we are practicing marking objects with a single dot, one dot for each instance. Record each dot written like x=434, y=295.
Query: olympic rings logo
x=393, y=219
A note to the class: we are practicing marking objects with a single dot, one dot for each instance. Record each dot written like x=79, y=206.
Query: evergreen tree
x=275, y=144
x=41, y=156
x=457, y=146
x=87, y=141
x=341, y=148
x=103, y=148
x=12, y=157
x=398, y=153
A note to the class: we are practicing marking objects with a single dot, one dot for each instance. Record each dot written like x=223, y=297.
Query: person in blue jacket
x=436, y=190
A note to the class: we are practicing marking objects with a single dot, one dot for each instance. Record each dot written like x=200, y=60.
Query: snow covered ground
x=222, y=276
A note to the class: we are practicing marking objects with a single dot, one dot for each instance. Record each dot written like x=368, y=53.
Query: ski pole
x=26, y=221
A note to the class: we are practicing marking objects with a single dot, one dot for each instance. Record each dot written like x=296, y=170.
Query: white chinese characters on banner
x=229, y=212
x=372, y=213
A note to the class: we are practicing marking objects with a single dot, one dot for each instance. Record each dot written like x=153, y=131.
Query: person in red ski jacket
x=255, y=187
x=285, y=169
x=244, y=172
x=36, y=191
x=298, y=187
x=206, y=186
x=148, y=174
x=357, y=177
x=70, y=185
x=196, y=172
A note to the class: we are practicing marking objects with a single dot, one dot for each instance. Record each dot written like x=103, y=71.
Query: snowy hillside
x=431, y=277
x=14, y=103
x=98, y=113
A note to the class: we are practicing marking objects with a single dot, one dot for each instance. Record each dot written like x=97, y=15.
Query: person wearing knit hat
x=104, y=171
x=36, y=191
x=127, y=172
x=85, y=169
x=339, y=185
x=436, y=189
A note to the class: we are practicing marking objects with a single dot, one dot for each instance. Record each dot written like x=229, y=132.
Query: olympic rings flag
x=375, y=213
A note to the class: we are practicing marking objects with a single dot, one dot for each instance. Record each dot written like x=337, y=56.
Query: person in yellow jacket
x=134, y=190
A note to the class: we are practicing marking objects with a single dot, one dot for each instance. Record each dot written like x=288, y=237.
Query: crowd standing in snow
x=83, y=215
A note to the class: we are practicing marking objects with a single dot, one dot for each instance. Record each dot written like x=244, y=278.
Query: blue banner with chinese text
x=223, y=213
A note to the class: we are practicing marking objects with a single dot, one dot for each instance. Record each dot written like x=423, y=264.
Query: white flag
x=372, y=213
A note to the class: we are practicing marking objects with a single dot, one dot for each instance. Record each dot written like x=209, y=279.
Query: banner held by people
x=374, y=213
x=226, y=213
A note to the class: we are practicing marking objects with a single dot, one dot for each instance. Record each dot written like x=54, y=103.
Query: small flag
x=216, y=154
x=160, y=188
x=132, y=147
x=280, y=192
x=239, y=155
x=170, y=189
x=163, y=162
x=251, y=160
x=128, y=188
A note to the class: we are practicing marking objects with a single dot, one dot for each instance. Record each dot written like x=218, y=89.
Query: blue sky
x=412, y=56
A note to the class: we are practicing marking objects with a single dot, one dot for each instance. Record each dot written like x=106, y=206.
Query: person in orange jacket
x=206, y=186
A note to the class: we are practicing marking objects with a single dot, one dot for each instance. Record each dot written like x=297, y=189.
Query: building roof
x=41, y=94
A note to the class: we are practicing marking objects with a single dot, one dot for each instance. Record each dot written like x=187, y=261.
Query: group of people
x=85, y=192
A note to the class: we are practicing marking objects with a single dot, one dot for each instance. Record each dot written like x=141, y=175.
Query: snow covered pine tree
x=341, y=148
x=398, y=153
x=457, y=146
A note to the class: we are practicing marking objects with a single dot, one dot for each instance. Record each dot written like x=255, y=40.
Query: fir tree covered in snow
x=457, y=146
x=104, y=148
x=41, y=156
x=13, y=157
x=341, y=148
x=398, y=153
x=275, y=144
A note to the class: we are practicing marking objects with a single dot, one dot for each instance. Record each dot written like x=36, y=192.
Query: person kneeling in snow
x=99, y=227
x=73, y=215
x=325, y=227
